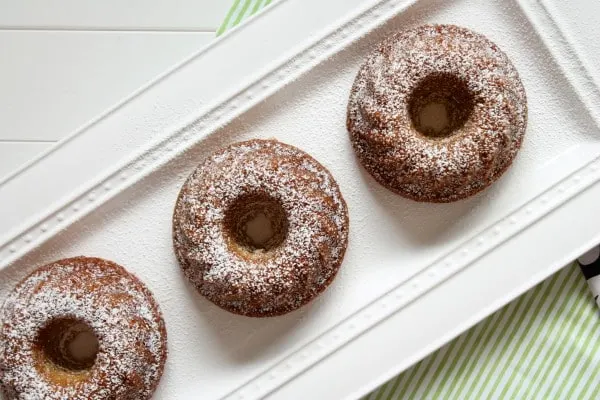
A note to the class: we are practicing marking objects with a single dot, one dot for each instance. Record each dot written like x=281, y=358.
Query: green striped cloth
x=544, y=345
x=241, y=9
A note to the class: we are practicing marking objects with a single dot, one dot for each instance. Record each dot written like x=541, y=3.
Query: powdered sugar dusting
x=114, y=304
x=287, y=276
x=409, y=163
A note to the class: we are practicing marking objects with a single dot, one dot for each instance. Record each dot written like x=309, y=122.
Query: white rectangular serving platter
x=414, y=276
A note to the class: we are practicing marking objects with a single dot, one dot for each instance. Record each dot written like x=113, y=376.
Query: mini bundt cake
x=80, y=329
x=260, y=228
x=437, y=113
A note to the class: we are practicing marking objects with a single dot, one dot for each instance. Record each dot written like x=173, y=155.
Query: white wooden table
x=66, y=61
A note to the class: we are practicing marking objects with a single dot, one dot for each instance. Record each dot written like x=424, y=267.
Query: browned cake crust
x=66, y=295
x=310, y=222
x=487, y=113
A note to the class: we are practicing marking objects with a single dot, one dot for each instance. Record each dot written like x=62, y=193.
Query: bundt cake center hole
x=256, y=223
x=440, y=105
x=69, y=343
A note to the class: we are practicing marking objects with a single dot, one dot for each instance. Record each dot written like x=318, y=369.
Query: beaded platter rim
x=339, y=36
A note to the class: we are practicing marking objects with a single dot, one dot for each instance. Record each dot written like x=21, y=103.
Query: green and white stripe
x=240, y=10
x=544, y=345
